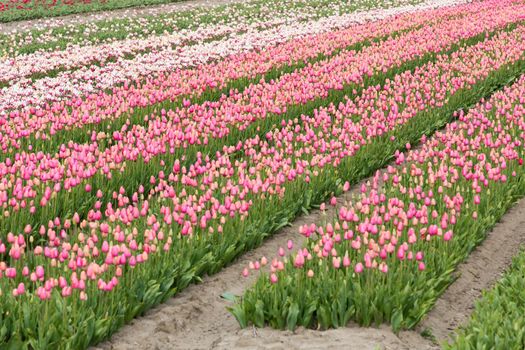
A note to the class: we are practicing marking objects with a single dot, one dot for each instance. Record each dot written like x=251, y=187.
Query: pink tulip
x=299, y=260
x=346, y=260
x=358, y=268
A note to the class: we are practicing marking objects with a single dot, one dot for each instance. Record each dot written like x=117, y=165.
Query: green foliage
x=498, y=321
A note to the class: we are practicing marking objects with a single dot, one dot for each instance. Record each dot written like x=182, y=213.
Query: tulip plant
x=102, y=67
x=57, y=183
x=84, y=277
x=236, y=72
x=391, y=251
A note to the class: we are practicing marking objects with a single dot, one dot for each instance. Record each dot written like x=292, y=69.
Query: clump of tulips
x=391, y=251
x=46, y=120
x=38, y=186
x=140, y=58
x=96, y=232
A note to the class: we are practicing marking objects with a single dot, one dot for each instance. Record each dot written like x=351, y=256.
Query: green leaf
x=3, y=332
x=16, y=344
x=101, y=327
x=397, y=320
x=291, y=320
x=239, y=314
x=308, y=313
x=324, y=317
x=229, y=296
x=259, y=314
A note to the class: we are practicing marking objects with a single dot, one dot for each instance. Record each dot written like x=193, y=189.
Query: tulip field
x=140, y=154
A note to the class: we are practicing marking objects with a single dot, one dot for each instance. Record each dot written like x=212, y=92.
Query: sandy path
x=80, y=18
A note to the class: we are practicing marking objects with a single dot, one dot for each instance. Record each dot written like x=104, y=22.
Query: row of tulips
x=45, y=64
x=391, y=251
x=81, y=279
x=36, y=188
x=102, y=67
x=56, y=34
x=27, y=127
x=42, y=64
x=75, y=56
x=252, y=54
x=498, y=321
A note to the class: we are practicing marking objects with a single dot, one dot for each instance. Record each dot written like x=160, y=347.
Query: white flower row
x=91, y=79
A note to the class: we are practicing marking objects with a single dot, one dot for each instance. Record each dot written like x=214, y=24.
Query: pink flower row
x=74, y=56
x=208, y=195
x=43, y=123
x=419, y=200
x=31, y=179
x=24, y=93
x=13, y=69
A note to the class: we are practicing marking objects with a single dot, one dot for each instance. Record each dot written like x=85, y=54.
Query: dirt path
x=109, y=14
